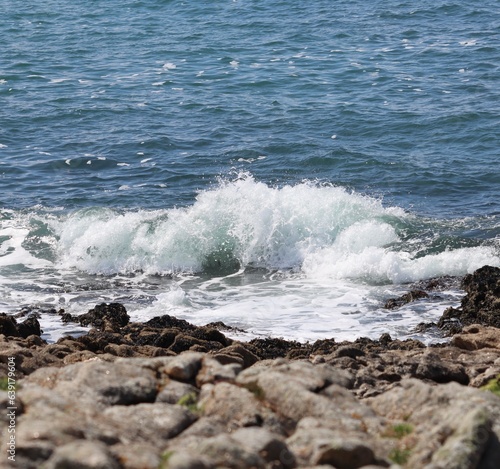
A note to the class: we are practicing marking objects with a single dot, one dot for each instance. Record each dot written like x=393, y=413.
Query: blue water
x=239, y=160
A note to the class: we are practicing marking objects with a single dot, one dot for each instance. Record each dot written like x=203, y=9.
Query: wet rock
x=10, y=327
x=112, y=315
x=481, y=304
x=409, y=297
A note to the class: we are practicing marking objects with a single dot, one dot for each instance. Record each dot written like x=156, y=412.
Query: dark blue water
x=169, y=137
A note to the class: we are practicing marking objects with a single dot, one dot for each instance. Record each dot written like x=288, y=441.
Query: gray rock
x=82, y=454
x=450, y=421
x=212, y=371
x=174, y=391
x=183, y=367
x=136, y=455
x=100, y=383
x=184, y=460
x=465, y=447
x=152, y=423
x=319, y=445
x=267, y=445
x=224, y=451
x=237, y=407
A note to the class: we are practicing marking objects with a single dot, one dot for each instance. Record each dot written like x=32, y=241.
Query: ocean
x=283, y=167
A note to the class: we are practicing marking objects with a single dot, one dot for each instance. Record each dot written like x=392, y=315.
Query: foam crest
x=321, y=231
x=242, y=222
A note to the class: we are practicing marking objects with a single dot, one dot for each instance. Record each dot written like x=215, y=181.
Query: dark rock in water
x=114, y=313
x=481, y=305
x=29, y=326
x=111, y=315
x=11, y=328
x=274, y=348
x=409, y=297
x=8, y=325
x=166, y=321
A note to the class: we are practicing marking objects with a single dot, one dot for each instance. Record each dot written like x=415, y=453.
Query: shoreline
x=166, y=393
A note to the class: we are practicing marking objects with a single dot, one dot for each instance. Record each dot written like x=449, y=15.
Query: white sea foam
x=319, y=230
x=303, y=262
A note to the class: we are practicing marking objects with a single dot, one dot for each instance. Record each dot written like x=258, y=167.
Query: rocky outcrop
x=481, y=304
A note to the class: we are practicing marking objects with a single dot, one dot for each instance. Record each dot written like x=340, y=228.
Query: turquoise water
x=281, y=166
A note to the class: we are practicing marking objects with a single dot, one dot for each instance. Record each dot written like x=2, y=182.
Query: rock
x=82, y=454
x=113, y=315
x=154, y=424
x=481, y=304
x=212, y=371
x=464, y=448
x=183, y=367
x=236, y=353
x=319, y=445
x=224, y=451
x=477, y=337
x=10, y=327
x=183, y=460
x=444, y=418
x=29, y=326
x=409, y=297
x=269, y=446
x=174, y=391
x=236, y=407
x=101, y=382
x=136, y=455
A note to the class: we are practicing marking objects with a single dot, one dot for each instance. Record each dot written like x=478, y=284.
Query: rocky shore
x=168, y=394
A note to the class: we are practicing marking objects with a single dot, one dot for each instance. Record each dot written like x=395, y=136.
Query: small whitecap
x=169, y=66
x=145, y=160
x=261, y=157
x=124, y=188
x=122, y=164
x=58, y=80
x=102, y=158
x=140, y=153
x=158, y=83
x=470, y=42
x=68, y=161
x=44, y=153
x=2, y=81
x=3, y=146
x=200, y=73
x=178, y=89
x=446, y=92
x=234, y=63
x=334, y=136
x=89, y=162
x=462, y=70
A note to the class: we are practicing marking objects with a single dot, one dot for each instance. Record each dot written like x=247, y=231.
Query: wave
x=310, y=229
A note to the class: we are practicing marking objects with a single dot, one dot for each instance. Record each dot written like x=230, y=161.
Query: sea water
x=283, y=167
